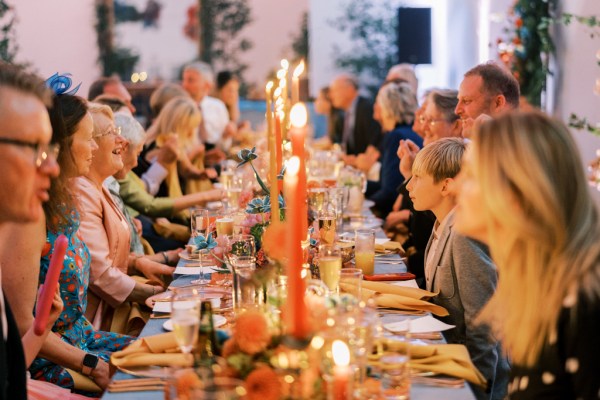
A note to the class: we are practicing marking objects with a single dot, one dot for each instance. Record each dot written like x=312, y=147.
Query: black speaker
x=414, y=35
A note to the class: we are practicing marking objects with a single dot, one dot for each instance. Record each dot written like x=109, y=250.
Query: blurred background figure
x=335, y=116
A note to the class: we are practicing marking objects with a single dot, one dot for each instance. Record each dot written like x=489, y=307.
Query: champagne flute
x=185, y=317
x=330, y=265
x=199, y=221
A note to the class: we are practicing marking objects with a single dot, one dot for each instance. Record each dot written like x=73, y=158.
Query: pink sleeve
x=106, y=280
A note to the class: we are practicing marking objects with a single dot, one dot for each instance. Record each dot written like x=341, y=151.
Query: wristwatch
x=89, y=363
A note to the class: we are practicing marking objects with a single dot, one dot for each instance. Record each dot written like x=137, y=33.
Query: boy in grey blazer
x=458, y=268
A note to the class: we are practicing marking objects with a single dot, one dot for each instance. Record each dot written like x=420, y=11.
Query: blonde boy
x=456, y=267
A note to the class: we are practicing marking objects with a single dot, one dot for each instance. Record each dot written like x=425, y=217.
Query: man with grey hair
x=360, y=129
x=406, y=73
x=198, y=81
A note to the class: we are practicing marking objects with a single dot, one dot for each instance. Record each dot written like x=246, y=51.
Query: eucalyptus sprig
x=246, y=156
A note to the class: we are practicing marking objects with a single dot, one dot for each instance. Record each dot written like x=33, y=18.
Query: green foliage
x=221, y=23
x=114, y=60
x=582, y=123
x=8, y=47
x=372, y=29
x=300, y=43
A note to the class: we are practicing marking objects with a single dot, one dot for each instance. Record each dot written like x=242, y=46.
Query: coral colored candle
x=278, y=145
x=273, y=171
x=296, y=82
x=341, y=370
x=296, y=307
x=298, y=117
x=50, y=284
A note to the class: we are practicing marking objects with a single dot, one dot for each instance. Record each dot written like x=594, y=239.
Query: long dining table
x=390, y=263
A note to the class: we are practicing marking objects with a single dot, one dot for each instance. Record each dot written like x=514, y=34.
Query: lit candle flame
x=279, y=103
x=277, y=92
x=269, y=87
x=299, y=69
x=293, y=166
x=285, y=64
x=341, y=353
x=282, y=83
x=281, y=74
x=298, y=115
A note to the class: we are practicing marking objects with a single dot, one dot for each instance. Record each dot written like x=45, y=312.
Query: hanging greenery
x=114, y=60
x=529, y=46
x=8, y=48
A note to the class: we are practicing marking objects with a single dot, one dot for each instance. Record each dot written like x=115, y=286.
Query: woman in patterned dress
x=74, y=336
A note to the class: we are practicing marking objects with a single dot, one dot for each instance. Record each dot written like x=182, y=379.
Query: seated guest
x=106, y=232
x=181, y=117
x=75, y=344
x=137, y=204
x=457, y=268
x=406, y=73
x=111, y=86
x=440, y=119
x=360, y=129
x=228, y=91
x=161, y=96
x=397, y=104
x=335, y=116
x=525, y=193
x=198, y=81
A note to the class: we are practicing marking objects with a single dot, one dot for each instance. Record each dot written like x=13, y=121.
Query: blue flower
x=61, y=84
x=205, y=243
x=259, y=205
x=246, y=155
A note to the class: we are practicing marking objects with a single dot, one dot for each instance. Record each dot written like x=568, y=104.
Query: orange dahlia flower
x=251, y=332
x=263, y=384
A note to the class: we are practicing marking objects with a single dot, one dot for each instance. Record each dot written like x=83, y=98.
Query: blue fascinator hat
x=61, y=84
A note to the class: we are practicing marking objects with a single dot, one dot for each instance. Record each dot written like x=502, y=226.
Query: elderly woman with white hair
x=396, y=105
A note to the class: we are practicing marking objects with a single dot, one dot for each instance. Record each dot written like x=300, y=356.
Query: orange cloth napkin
x=160, y=350
x=447, y=359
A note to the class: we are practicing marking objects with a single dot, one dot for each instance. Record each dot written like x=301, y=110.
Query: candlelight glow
x=279, y=103
x=298, y=115
x=285, y=64
x=341, y=353
x=293, y=166
x=281, y=74
x=277, y=93
x=282, y=83
x=269, y=87
x=281, y=114
x=299, y=69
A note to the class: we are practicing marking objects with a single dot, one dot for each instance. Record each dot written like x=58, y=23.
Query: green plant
x=372, y=29
x=300, y=43
x=8, y=46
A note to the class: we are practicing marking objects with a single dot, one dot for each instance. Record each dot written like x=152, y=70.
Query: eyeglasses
x=43, y=151
x=112, y=131
x=432, y=122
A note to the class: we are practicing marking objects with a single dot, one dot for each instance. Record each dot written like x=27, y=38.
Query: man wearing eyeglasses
x=27, y=164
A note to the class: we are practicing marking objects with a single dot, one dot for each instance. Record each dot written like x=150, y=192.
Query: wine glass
x=330, y=265
x=185, y=317
x=199, y=221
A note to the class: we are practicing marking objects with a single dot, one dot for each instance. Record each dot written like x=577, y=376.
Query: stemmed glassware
x=185, y=317
x=199, y=224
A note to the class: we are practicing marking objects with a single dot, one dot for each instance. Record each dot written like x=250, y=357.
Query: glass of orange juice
x=364, y=250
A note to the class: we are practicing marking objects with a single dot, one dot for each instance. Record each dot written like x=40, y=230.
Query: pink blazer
x=105, y=231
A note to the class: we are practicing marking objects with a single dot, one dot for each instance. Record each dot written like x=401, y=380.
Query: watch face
x=90, y=360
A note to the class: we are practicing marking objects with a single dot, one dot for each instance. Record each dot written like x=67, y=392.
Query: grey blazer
x=466, y=278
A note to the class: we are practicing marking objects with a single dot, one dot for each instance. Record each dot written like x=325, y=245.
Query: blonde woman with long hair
x=525, y=194
x=181, y=116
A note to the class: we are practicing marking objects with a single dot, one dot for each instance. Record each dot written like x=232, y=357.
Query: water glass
x=351, y=281
x=199, y=221
x=364, y=250
x=185, y=317
x=330, y=265
x=244, y=286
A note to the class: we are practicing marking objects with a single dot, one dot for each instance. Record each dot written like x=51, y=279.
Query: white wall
x=58, y=36
x=579, y=71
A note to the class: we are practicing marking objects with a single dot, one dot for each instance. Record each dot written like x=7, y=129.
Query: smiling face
x=83, y=145
x=23, y=186
x=107, y=159
x=472, y=99
x=436, y=126
x=470, y=211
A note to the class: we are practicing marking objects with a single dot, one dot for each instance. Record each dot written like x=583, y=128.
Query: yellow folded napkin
x=388, y=246
x=160, y=350
x=402, y=298
x=387, y=288
x=448, y=359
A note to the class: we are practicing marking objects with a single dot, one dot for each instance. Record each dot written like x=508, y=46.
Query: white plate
x=218, y=320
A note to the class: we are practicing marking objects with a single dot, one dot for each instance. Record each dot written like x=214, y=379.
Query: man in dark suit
x=360, y=129
x=27, y=163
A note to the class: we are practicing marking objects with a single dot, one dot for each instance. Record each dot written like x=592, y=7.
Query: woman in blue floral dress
x=74, y=340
